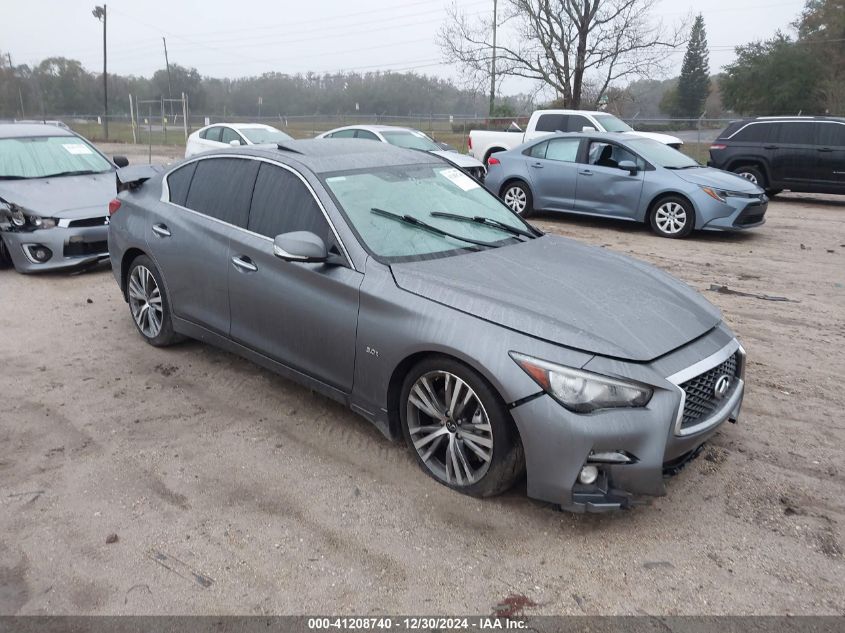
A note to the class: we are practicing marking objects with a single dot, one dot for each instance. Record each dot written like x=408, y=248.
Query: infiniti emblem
x=723, y=383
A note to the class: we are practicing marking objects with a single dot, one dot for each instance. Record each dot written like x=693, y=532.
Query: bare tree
x=563, y=44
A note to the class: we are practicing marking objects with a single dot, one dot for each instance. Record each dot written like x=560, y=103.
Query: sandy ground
x=231, y=490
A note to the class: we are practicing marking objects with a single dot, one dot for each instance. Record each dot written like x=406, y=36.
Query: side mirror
x=120, y=161
x=300, y=246
x=588, y=128
x=629, y=166
x=235, y=142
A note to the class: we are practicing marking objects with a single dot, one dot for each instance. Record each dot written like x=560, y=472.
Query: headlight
x=716, y=194
x=41, y=223
x=583, y=391
x=18, y=218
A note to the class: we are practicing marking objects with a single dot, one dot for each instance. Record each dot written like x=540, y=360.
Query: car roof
x=574, y=112
x=375, y=128
x=21, y=130
x=778, y=119
x=328, y=155
x=241, y=126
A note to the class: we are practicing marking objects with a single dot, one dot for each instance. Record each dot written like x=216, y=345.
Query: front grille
x=752, y=214
x=101, y=221
x=701, y=400
x=79, y=249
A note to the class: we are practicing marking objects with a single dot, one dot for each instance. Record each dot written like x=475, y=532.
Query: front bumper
x=559, y=443
x=736, y=214
x=74, y=244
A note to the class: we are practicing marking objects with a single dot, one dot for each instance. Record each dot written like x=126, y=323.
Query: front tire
x=518, y=197
x=459, y=429
x=672, y=217
x=148, y=303
x=752, y=174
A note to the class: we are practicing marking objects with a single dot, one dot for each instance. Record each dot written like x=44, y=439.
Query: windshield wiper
x=480, y=219
x=685, y=167
x=14, y=177
x=78, y=172
x=412, y=221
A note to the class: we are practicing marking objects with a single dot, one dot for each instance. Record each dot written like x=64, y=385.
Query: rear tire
x=751, y=173
x=459, y=429
x=517, y=195
x=149, y=304
x=672, y=217
x=5, y=257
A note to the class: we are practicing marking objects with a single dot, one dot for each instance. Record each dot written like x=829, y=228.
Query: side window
x=230, y=135
x=563, y=149
x=753, y=133
x=538, y=150
x=222, y=188
x=367, y=135
x=213, y=133
x=831, y=134
x=552, y=123
x=795, y=133
x=344, y=134
x=281, y=203
x=577, y=123
x=179, y=182
x=610, y=155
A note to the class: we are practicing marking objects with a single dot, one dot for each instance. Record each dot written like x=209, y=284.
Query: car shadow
x=812, y=199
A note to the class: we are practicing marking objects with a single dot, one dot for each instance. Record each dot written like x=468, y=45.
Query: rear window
x=222, y=189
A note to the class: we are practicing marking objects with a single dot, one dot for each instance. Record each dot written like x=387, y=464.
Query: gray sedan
x=614, y=176
x=54, y=192
x=392, y=282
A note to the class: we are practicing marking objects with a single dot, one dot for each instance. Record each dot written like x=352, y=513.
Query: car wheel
x=5, y=257
x=148, y=303
x=518, y=197
x=751, y=174
x=459, y=429
x=672, y=216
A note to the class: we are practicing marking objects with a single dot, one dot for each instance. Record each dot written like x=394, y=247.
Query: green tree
x=821, y=29
x=777, y=76
x=694, y=82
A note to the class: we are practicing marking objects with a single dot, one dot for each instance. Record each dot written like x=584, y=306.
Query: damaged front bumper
x=632, y=449
x=72, y=243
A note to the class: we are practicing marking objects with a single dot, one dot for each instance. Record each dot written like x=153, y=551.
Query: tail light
x=469, y=142
x=718, y=146
x=114, y=205
x=493, y=161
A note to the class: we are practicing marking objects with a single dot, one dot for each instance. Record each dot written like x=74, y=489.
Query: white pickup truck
x=483, y=143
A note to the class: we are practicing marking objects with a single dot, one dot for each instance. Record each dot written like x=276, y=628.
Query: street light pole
x=493, y=64
x=99, y=12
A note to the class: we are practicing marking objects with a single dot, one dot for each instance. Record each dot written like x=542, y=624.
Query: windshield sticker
x=336, y=179
x=77, y=148
x=460, y=178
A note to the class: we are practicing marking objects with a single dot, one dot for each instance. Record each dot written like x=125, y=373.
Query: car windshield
x=260, y=135
x=611, y=124
x=411, y=139
x=419, y=191
x=44, y=156
x=661, y=155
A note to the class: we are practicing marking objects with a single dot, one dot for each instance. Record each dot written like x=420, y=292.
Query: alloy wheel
x=671, y=218
x=145, y=301
x=516, y=199
x=449, y=428
x=749, y=176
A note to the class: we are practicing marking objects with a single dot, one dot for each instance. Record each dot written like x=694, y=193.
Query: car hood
x=663, y=138
x=62, y=197
x=457, y=159
x=718, y=179
x=568, y=293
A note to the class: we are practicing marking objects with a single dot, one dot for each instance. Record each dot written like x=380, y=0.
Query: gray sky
x=226, y=39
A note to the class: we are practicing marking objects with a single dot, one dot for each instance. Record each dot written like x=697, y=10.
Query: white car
x=409, y=139
x=221, y=135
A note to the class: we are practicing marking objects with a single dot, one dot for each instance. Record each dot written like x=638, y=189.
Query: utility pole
x=167, y=64
x=493, y=64
x=99, y=12
x=20, y=92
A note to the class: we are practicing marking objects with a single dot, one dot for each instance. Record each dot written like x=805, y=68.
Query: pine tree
x=694, y=83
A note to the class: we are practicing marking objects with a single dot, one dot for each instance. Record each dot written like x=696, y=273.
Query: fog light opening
x=38, y=253
x=588, y=475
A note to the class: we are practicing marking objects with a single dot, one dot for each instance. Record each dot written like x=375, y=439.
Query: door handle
x=825, y=149
x=244, y=264
x=770, y=147
x=586, y=172
x=537, y=165
x=161, y=230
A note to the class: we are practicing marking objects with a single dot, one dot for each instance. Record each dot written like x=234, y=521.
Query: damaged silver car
x=54, y=193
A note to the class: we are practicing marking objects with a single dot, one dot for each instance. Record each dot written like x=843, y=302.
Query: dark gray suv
x=804, y=154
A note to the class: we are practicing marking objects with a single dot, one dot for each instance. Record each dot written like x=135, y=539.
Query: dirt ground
x=231, y=490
